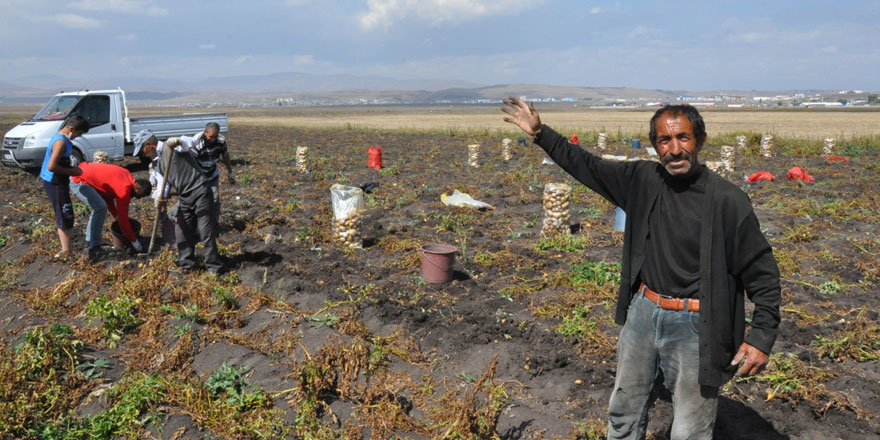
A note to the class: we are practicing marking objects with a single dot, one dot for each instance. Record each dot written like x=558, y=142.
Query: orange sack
x=798, y=173
x=375, y=161
x=760, y=175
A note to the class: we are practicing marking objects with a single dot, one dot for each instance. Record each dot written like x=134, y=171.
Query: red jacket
x=115, y=185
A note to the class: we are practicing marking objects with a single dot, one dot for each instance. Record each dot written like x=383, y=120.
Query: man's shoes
x=62, y=256
x=215, y=272
x=97, y=254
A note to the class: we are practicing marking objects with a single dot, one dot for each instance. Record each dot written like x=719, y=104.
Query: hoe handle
x=161, y=199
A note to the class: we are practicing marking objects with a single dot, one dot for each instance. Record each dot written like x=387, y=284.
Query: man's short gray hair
x=212, y=126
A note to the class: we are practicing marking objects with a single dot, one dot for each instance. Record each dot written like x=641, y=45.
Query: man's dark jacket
x=734, y=255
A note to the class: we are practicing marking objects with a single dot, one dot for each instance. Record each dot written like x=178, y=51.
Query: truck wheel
x=76, y=158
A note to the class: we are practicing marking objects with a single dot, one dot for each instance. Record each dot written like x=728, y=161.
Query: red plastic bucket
x=119, y=240
x=437, y=261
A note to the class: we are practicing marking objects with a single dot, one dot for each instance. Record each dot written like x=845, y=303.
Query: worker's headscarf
x=140, y=139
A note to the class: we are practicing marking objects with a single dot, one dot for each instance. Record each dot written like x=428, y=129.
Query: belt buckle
x=675, y=302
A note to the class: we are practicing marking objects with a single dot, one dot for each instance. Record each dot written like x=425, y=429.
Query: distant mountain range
x=292, y=88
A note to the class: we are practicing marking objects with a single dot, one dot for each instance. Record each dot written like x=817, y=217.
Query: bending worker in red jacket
x=116, y=187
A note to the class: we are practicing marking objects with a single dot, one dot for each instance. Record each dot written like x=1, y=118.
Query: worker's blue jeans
x=90, y=197
x=655, y=340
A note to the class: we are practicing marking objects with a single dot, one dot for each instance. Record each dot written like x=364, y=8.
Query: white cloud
x=242, y=59
x=127, y=37
x=829, y=49
x=72, y=21
x=749, y=37
x=120, y=6
x=297, y=3
x=383, y=13
x=643, y=32
x=303, y=60
x=595, y=11
x=207, y=46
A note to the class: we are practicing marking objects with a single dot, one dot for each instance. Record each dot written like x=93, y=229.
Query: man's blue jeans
x=655, y=340
x=90, y=197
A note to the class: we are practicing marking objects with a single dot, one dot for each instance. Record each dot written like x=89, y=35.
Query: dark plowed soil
x=406, y=358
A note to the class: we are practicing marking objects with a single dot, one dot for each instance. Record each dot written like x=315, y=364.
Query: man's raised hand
x=522, y=115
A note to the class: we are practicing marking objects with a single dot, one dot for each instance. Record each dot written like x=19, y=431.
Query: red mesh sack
x=574, y=139
x=375, y=161
x=760, y=175
x=798, y=173
x=836, y=159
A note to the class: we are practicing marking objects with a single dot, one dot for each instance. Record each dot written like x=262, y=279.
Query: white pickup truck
x=111, y=130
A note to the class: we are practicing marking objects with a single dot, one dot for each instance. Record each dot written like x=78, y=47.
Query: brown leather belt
x=665, y=302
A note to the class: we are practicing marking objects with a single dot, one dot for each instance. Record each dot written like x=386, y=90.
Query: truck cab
x=25, y=145
x=110, y=128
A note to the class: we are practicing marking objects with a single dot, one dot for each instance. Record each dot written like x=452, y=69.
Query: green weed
x=594, y=428
x=8, y=276
x=229, y=381
x=119, y=315
x=289, y=208
x=183, y=312
x=133, y=398
x=305, y=234
x=577, y=325
x=47, y=352
x=225, y=298
x=590, y=273
x=799, y=233
x=389, y=171
x=90, y=370
x=327, y=319
x=564, y=243
x=453, y=222
x=858, y=340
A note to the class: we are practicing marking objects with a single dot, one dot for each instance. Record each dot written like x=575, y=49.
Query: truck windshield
x=57, y=108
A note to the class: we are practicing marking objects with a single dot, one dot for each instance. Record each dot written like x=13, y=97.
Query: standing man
x=114, y=187
x=209, y=147
x=195, y=210
x=692, y=249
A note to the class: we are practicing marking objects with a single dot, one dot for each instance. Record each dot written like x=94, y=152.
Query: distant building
x=821, y=104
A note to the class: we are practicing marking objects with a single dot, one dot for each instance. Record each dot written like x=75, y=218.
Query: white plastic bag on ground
x=463, y=200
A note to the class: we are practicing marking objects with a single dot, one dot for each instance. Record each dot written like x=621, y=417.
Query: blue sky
x=683, y=45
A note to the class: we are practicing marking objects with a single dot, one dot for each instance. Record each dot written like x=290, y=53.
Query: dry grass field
x=791, y=123
x=805, y=124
